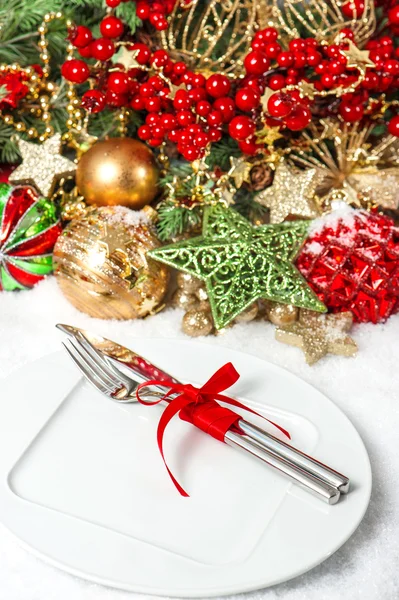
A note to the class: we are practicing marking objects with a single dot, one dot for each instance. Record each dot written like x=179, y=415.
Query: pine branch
x=221, y=153
x=175, y=220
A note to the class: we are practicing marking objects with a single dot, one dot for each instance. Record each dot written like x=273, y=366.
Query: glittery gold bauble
x=101, y=265
x=282, y=314
x=119, y=171
x=249, y=314
x=183, y=299
x=188, y=282
x=197, y=322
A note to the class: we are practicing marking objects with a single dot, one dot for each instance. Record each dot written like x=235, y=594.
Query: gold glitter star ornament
x=318, y=335
x=293, y=192
x=42, y=165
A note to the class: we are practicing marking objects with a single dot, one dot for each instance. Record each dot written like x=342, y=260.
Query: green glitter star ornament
x=241, y=263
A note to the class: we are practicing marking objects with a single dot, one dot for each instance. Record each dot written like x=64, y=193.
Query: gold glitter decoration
x=183, y=299
x=292, y=193
x=248, y=315
x=240, y=171
x=282, y=314
x=42, y=164
x=197, y=322
x=323, y=19
x=356, y=58
x=351, y=168
x=126, y=58
x=197, y=32
x=188, y=282
x=318, y=335
x=101, y=264
x=268, y=135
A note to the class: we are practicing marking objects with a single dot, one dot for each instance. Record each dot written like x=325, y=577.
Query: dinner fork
x=117, y=386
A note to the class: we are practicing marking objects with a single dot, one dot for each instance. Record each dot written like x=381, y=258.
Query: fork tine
x=96, y=370
x=82, y=366
x=102, y=362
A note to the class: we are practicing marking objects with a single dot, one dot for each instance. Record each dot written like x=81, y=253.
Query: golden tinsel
x=197, y=32
x=322, y=19
x=351, y=168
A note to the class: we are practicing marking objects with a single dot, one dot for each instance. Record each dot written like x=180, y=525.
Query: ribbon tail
x=170, y=411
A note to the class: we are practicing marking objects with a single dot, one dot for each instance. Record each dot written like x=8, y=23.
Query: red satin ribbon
x=199, y=407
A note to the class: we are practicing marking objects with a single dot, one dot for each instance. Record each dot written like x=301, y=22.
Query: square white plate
x=82, y=482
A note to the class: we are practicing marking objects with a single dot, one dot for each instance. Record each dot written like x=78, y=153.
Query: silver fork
x=117, y=386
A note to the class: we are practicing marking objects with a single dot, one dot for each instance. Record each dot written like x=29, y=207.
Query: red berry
x=203, y=108
x=276, y=82
x=118, y=82
x=215, y=118
x=270, y=34
x=272, y=50
x=241, y=128
x=249, y=146
x=142, y=11
x=113, y=3
x=299, y=118
x=75, y=70
x=370, y=81
x=197, y=80
x=247, y=99
x=215, y=134
x=114, y=99
x=218, y=86
x=393, y=126
x=285, y=59
x=202, y=140
x=168, y=122
x=155, y=142
x=160, y=58
x=102, y=49
x=185, y=117
x=353, y=9
x=111, y=27
x=85, y=52
x=143, y=53
x=137, y=102
x=144, y=132
x=280, y=105
x=297, y=45
x=80, y=36
x=181, y=101
x=393, y=15
x=313, y=58
x=256, y=63
x=351, y=112
x=93, y=101
x=226, y=107
x=153, y=105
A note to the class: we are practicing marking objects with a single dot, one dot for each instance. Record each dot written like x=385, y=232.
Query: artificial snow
x=121, y=215
x=366, y=388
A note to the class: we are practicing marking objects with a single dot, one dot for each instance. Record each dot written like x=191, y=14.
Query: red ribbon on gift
x=199, y=406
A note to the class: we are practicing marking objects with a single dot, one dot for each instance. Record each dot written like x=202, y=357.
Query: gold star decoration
x=357, y=59
x=293, y=192
x=127, y=58
x=306, y=89
x=268, y=135
x=240, y=171
x=318, y=335
x=42, y=164
x=174, y=89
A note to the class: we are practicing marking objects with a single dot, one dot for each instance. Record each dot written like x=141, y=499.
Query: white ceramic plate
x=82, y=483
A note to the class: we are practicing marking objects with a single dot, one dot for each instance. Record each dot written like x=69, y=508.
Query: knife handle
x=305, y=480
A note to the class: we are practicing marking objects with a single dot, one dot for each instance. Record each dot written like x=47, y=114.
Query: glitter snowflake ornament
x=351, y=260
x=29, y=229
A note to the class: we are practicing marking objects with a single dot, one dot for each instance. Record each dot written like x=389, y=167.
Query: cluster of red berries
x=154, y=11
x=393, y=19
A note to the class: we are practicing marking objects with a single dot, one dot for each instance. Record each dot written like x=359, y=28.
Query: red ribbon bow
x=199, y=407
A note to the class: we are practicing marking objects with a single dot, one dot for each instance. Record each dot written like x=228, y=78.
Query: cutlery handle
x=283, y=450
x=310, y=483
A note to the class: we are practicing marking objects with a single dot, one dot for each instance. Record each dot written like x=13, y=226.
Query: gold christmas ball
x=188, y=282
x=249, y=314
x=197, y=322
x=282, y=314
x=201, y=294
x=118, y=171
x=101, y=266
x=183, y=299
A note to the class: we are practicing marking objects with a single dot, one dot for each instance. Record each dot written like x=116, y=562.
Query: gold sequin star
x=292, y=193
x=357, y=59
x=306, y=89
x=42, y=164
x=318, y=335
x=268, y=135
x=240, y=171
x=127, y=58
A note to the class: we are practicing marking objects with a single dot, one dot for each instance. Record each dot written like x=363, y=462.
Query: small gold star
x=174, y=89
x=42, y=164
x=268, y=135
x=292, y=193
x=127, y=58
x=357, y=59
x=318, y=335
x=240, y=171
x=306, y=89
